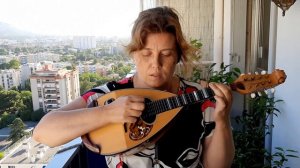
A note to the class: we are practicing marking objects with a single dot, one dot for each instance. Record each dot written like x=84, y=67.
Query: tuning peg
x=267, y=92
x=259, y=93
x=263, y=72
x=253, y=95
x=272, y=90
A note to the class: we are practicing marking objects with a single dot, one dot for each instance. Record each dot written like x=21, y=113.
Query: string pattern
x=158, y=106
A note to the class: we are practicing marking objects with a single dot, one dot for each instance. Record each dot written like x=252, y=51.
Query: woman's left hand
x=223, y=96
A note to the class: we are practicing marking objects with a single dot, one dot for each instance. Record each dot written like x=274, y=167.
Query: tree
x=14, y=64
x=37, y=115
x=4, y=66
x=24, y=50
x=3, y=51
x=17, y=51
x=10, y=101
x=103, y=80
x=17, y=130
x=26, y=97
x=27, y=86
x=85, y=86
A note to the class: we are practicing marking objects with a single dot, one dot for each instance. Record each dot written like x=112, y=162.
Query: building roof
x=30, y=152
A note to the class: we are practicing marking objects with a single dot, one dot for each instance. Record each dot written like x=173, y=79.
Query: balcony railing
x=71, y=156
x=75, y=155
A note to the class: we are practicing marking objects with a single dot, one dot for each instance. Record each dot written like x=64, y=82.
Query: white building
x=52, y=89
x=84, y=42
x=9, y=78
x=26, y=70
x=39, y=57
x=97, y=68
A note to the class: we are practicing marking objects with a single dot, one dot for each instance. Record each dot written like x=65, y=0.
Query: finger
x=137, y=106
x=221, y=102
x=130, y=119
x=133, y=98
x=216, y=89
x=134, y=113
x=222, y=90
x=226, y=91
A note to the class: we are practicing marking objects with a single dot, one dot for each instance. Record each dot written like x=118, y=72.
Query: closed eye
x=146, y=53
x=166, y=53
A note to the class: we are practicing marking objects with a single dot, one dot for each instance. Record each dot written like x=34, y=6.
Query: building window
x=41, y=105
x=38, y=81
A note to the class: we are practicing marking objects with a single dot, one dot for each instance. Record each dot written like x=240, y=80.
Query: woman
x=157, y=45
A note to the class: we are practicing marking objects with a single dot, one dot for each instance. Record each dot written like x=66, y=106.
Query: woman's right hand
x=125, y=109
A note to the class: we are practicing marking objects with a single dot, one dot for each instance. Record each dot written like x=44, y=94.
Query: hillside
x=8, y=31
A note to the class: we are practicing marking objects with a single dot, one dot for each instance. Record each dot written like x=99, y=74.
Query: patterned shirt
x=180, y=145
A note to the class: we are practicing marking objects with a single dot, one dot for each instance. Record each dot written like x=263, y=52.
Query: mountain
x=8, y=31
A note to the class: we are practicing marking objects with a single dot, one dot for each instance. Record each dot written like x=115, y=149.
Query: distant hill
x=8, y=31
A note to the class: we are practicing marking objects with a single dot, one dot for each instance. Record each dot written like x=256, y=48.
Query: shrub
x=37, y=115
x=6, y=119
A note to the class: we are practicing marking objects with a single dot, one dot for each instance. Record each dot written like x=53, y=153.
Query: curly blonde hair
x=159, y=20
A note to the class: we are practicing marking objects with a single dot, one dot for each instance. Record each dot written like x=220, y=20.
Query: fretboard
x=162, y=105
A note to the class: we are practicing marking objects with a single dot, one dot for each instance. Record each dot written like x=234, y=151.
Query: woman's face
x=156, y=62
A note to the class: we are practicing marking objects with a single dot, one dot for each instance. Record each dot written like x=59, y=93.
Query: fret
x=170, y=107
x=164, y=105
x=188, y=98
x=156, y=110
x=201, y=94
x=180, y=101
x=158, y=106
x=196, y=96
x=205, y=94
x=191, y=95
x=177, y=101
x=173, y=101
x=183, y=98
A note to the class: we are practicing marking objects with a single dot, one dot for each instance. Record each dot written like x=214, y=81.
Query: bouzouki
x=160, y=108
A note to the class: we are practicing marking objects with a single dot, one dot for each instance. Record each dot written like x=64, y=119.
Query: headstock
x=249, y=83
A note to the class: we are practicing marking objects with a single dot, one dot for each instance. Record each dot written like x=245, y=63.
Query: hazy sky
x=71, y=17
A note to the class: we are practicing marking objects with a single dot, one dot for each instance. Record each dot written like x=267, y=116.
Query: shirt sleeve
x=86, y=95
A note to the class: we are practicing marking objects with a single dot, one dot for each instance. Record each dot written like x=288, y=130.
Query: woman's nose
x=156, y=61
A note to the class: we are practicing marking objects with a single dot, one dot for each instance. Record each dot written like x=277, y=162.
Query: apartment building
x=39, y=57
x=84, y=42
x=53, y=88
x=97, y=68
x=26, y=70
x=9, y=78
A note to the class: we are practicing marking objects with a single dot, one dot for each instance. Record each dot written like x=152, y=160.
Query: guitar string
x=158, y=106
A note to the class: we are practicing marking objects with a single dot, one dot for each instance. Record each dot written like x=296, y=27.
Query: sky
x=71, y=17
